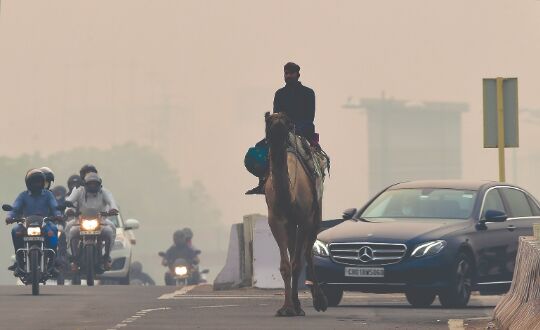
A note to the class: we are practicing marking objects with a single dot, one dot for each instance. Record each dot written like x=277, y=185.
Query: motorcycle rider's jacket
x=43, y=204
x=103, y=200
x=181, y=252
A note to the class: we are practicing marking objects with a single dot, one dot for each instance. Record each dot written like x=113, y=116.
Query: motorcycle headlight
x=180, y=270
x=89, y=224
x=428, y=248
x=320, y=249
x=33, y=231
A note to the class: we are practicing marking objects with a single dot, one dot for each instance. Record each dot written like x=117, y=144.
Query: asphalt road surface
x=131, y=308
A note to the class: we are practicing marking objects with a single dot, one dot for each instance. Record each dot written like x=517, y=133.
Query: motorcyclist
x=60, y=193
x=35, y=201
x=73, y=182
x=49, y=177
x=85, y=169
x=137, y=276
x=91, y=196
x=179, y=250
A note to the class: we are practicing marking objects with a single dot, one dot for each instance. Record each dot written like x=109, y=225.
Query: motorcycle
x=90, y=250
x=34, y=254
x=62, y=255
x=182, y=273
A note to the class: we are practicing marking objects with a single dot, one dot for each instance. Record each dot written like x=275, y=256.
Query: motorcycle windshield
x=34, y=221
x=90, y=213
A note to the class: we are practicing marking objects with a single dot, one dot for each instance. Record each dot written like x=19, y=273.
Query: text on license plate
x=90, y=232
x=364, y=272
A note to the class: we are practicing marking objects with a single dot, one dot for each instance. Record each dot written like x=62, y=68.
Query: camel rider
x=92, y=197
x=35, y=201
x=298, y=103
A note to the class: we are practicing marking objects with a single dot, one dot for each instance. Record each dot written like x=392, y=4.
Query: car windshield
x=422, y=203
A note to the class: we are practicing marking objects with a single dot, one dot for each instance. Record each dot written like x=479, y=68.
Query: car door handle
x=511, y=227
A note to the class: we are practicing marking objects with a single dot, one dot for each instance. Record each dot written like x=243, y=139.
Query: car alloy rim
x=463, y=278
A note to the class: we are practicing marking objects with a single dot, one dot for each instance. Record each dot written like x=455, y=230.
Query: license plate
x=90, y=232
x=30, y=238
x=364, y=272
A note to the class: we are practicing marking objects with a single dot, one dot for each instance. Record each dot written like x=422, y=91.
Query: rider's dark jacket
x=298, y=102
x=180, y=252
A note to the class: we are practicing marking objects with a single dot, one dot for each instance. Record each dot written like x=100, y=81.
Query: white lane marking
x=456, y=324
x=137, y=316
x=215, y=306
x=180, y=292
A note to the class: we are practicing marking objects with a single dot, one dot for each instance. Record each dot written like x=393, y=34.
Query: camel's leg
x=279, y=231
x=297, y=263
x=320, y=303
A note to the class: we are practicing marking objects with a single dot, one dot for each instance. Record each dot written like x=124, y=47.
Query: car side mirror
x=131, y=224
x=348, y=214
x=7, y=207
x=495, y=216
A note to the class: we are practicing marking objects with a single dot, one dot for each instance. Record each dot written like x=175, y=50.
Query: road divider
x=520, y=307
x=253, y=257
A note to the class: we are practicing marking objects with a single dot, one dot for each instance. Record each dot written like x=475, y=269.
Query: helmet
x=136, y=268
x=35, y=180
x=88, y=168
x=74, y=181
x=179, y=238
x=92, y=182
x=188, y=232
x=49, y=176
x=59, y=192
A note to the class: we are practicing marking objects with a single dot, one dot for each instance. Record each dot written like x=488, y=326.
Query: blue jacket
x=43, y=204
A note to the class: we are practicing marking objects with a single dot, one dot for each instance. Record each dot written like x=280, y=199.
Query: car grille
x=367, y=253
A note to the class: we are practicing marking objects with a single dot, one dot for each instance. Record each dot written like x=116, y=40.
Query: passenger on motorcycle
x=49, y=177
x=73, y=182
x=92, y=196
x=35, y=201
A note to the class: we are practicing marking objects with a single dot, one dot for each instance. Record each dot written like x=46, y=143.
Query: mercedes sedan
x=428, y=238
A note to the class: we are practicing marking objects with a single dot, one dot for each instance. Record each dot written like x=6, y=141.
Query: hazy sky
x=98, y=73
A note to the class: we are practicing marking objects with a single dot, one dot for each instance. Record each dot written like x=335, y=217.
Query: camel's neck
x=280, y=176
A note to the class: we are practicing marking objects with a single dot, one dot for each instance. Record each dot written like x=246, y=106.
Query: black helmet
x=74, y=181
x=179, y=238
x=35, y=180
x=92, y=178
x=188, y=232
x=59, y=192
x=136, y=268
x=88, y=168
x=49, y=177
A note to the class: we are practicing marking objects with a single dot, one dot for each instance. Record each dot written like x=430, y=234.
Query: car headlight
x=320, y=249
x=33, y=231
x=89, y=224
x=428, y=248
x=180, y=270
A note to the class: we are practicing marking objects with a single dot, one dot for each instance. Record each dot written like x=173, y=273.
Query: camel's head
x=278, y=126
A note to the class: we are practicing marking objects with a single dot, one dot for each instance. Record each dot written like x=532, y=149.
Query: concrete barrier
x=231, y=276
x=520, y=307
x=253, y=257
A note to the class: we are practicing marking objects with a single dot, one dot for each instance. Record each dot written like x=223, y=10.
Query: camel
x=294, y=215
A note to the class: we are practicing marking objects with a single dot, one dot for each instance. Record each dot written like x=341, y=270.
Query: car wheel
x=333, y=295
x=420, y=298
x=459, y=292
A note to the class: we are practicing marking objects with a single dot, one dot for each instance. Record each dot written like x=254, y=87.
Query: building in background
x=411, y=141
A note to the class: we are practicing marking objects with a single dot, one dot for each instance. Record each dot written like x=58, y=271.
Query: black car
x=428, y=238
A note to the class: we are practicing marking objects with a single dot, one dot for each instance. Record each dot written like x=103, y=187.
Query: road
x=138, y=308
